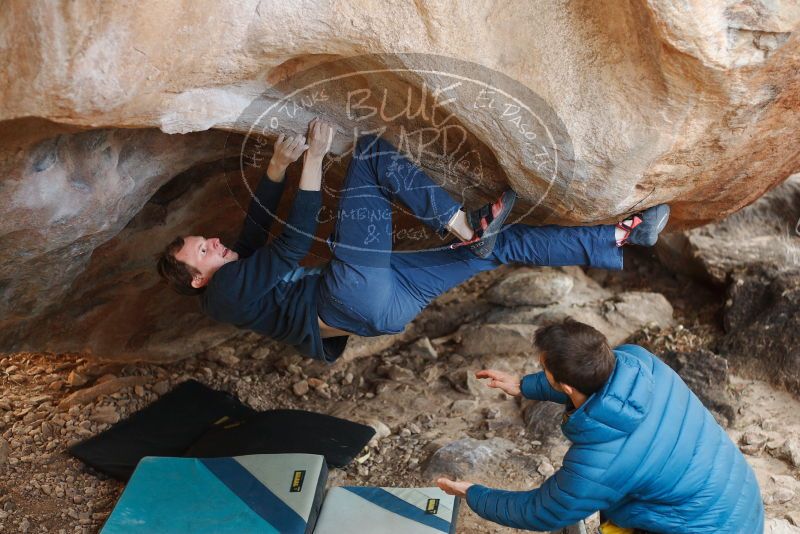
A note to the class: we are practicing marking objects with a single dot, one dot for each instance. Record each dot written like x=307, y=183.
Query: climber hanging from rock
x=367, y=289
x=645, y=451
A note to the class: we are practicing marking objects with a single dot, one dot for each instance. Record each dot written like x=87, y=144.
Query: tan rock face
x=640, y=102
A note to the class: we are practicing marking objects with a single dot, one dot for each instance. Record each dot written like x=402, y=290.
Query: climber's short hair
x=177, y=274
x=576, y=354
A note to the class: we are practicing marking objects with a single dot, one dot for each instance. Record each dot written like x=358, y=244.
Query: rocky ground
x=430, y=413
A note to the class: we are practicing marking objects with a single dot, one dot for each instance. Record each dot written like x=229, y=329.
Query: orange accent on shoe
x=635, y=221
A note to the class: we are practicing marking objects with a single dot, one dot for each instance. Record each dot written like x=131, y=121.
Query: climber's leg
x=420, y=277
x=593, y=246
x=377, y=175
x=358, y=285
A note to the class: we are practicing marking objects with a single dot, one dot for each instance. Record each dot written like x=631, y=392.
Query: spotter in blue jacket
x=645, y=452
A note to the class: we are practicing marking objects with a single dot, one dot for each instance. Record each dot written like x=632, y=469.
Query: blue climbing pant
x=369, y=289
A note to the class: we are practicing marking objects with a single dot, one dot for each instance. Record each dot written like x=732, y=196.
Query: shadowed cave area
x=111, y=200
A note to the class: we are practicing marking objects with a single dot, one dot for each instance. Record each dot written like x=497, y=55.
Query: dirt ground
x=42, y=489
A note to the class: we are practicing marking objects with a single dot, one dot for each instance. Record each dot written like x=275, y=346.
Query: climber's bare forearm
x=276, y=172
x=320, y=136
x=311, y=178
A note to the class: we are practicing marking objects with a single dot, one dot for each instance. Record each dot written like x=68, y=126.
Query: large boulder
x=693, y=104
x=589, y=112
x=617, y=317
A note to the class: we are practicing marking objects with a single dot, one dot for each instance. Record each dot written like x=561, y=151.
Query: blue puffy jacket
x=645, y=451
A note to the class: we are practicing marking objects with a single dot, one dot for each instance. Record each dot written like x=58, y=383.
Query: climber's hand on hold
x=500, y=380
x=451, y=487
x=320, y=137
x=287, y=151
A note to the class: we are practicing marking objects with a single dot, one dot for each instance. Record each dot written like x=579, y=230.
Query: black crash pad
x=286, y=431
x=166, y=427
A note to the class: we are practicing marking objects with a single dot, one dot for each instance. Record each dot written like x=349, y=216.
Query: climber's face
x=206, y=255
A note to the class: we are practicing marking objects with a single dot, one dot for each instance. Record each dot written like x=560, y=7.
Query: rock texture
x=755, y=255
x=617, y=315
x=468, y=456
x=643, y=102
x=766, y=234
x=762, y=325
x=531, y=288
x=89, y=211
x=700, y=100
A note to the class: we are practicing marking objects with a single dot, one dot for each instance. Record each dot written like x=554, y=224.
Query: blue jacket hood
x=616, y=410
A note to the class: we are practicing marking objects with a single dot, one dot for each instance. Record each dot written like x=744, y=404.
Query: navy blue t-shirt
x=266, y=290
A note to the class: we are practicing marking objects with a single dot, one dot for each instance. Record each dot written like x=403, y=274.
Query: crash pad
x=166, y=427
x=277, y=493
x=282, y=431
x=370, y=510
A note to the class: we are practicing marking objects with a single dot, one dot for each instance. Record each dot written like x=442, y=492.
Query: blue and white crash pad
x=363, y=510
x=264, y=493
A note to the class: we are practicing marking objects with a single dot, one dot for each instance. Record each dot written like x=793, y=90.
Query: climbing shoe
x=486, y=223
x=643, y=228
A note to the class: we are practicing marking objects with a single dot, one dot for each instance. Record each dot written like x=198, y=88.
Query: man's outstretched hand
x=500, y=380
x=286, y=151
x=451, y=487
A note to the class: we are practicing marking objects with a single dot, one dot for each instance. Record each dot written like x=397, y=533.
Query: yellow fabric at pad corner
x=610, y=528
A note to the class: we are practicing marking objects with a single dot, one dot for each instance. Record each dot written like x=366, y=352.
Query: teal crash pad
x=264, y=493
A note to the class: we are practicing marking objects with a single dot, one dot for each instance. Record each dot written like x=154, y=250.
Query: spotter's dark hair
x=576, y=354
